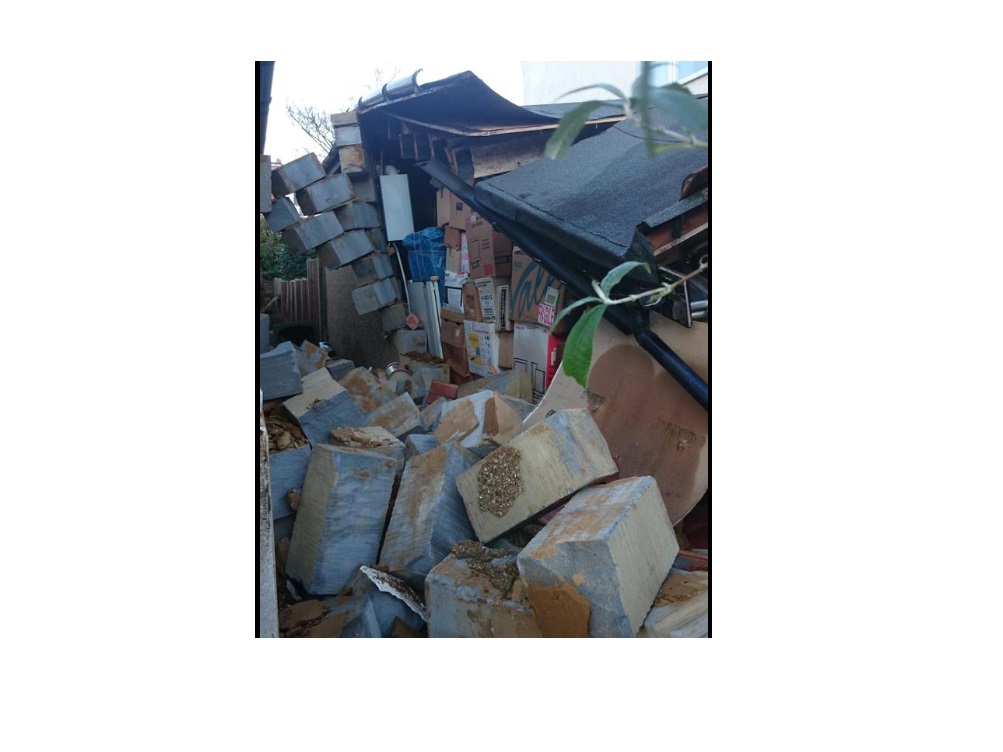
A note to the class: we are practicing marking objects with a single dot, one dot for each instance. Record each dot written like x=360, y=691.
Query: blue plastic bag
x=426, y=256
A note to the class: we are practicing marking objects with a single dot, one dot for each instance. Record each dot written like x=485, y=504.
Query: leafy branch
x=578, y=349
x=673, y=99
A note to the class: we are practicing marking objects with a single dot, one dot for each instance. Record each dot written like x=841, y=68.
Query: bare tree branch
x=313, y=122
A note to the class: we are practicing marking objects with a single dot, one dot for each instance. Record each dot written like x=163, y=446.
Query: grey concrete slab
x=358, y=216
x=419, y=443
x=373, y=267
x=279, y=372
x=399, y=416
x=345, y=249
x=288, y=470
x=283, y=214
x=544, y=466
x=299, y=173
x=339, y=368
x=428, y=515
x=471, y=598
x=324, y=405
x=310, y=232
x=325, y=194
x=341, y=515
x=369, y=298
x=597, y=566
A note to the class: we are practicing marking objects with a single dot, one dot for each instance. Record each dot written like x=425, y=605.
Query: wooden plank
x=676, y=228
x=496, y=158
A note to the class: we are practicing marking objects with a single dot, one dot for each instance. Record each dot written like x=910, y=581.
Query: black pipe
x=676, y=366
x=265, y=69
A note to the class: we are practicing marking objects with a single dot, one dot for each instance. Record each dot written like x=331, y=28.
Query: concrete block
x=287, y=471
x=535, y=471
x=419, y=443
x=264, y=335
x=342, y=509
x=411, y=341
x=371, y=268
x=265, y=184
x=353, y=159
x=680, y=607
x=311, y=232
x=364, y=187
x=596, y=567
x=329, y=617
x=279, y=372
x=480, y=595
x=418, y=384
x=283, y=214
x=430, y=415
x=323, y=406
x=340, y=368
x=367, y=391
x=376, y=236
x=399, y=416
x=483, y=419
x=325, y=194
x=345, y=249
x=347, y=135
x=522, y=407
x=393, y=317
x=512, y=383
x=358, y=216
x=344, y=118
x=333, y=617
x=312, y=358
x=428, y=515
x=386, y=607
x=371, y=439
x=299, y=173
x=372, y=297
x=358, y=616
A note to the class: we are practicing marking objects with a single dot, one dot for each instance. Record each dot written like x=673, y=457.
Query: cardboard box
x=537, y=352
x=449, y=210
x=472, y=302
x=452, y=333
x=453, y=284
x=457, y=359
x=490, y=251
x=483, y=348
x=536, y=296
x=452, y=238
x=506, y=350
x=492, y=293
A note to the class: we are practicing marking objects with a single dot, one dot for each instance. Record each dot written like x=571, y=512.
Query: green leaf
x=578, y=349
x=678, y=102
x=573, y=306
x=608, y=87
x=569, y=128
x=614, y=275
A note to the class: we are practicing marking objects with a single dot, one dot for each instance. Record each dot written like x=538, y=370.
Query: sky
x=336, y=88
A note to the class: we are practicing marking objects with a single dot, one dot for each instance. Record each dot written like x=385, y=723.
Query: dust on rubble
x=499, y=481
x=480, y=559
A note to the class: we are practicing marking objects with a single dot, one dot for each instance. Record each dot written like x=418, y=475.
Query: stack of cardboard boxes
x=499, y=303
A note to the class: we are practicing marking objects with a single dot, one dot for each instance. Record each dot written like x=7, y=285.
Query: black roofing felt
x=465, y=103
x=596, y=196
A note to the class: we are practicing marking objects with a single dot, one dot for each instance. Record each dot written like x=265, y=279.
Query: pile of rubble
x=440, y=516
